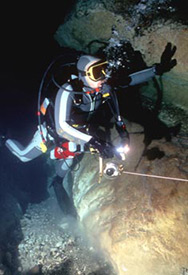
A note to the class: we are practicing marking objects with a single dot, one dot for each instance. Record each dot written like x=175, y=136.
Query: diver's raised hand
x=167, y=63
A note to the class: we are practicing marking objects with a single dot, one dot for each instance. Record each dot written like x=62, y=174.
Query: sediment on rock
x=140, y=223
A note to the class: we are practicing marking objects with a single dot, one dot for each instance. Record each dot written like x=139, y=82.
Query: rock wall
x=151, y=44
x=93, y=21
x=140, y=223
x=54, y=244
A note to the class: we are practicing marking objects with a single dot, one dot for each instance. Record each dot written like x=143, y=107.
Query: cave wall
x=139, y=223
x=95, y=21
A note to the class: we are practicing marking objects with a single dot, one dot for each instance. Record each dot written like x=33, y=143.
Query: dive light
x=123, y=150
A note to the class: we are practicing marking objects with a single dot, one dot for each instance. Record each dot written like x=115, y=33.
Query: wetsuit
x=71, y=110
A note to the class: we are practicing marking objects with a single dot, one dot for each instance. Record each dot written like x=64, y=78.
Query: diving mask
x=97, y=71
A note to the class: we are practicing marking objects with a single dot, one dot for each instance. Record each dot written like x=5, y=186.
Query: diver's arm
x=122, y=80
x=63, y=108
x=142, y=76
x=138, y=77
x=166, y=64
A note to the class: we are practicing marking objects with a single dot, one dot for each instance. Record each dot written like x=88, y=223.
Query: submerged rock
x=151, y=45
x=140, y=223
x=55, y=244
x=147, y=25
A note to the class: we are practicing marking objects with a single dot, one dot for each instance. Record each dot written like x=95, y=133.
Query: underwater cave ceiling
x=147, y=25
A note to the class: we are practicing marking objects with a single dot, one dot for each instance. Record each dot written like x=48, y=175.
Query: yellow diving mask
x=97, y=71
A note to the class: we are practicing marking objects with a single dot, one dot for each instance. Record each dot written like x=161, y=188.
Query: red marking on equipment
x=63, y=151
x=97, y=90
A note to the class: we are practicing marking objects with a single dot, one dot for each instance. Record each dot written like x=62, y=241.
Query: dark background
x=27, y=48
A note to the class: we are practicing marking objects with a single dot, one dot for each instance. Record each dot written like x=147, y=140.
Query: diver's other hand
x=105, y=148
x=167, y=63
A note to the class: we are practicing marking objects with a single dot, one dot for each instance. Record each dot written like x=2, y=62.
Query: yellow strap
x=105, y=95
x=43, y=147
x=75, y=125
x=92, y=150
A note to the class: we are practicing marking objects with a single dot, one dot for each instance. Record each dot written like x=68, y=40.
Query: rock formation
x=54, y=244
x=143, y=24
x=139, y=222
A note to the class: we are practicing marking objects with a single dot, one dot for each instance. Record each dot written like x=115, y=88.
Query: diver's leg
x=31, y=151
x=64, y=197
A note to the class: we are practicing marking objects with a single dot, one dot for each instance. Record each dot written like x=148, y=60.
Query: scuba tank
x=57, y=72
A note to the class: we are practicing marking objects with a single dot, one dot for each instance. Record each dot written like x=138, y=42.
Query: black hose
x=42, y=86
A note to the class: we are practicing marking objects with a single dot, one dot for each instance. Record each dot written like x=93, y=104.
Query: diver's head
x=91, y=71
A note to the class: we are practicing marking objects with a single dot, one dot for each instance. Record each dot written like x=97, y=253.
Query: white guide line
x=153, y=176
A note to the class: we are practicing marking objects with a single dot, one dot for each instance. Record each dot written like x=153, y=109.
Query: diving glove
x=167, y=63
x=105, y=148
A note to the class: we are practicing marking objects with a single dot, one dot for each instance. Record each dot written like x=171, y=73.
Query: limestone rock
x=55, y=244
x=140, y=223
x=90, y=25
x=151, y=45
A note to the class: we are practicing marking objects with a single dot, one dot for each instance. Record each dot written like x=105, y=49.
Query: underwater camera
x=112, y=170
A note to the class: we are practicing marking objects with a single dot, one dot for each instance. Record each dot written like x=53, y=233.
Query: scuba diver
x=76, y=104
